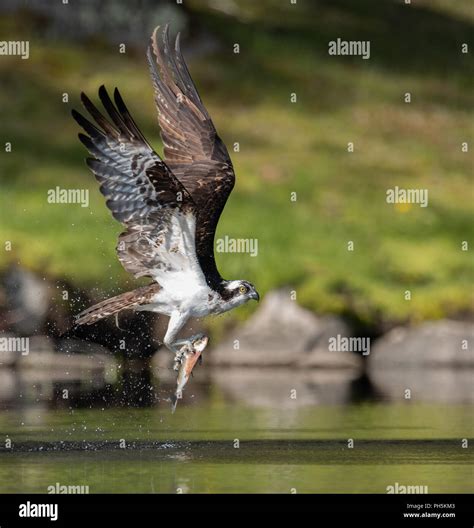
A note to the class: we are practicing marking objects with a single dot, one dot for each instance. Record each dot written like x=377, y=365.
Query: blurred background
x=334, y=258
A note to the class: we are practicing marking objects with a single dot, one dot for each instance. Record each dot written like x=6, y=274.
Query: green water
x=211, y=445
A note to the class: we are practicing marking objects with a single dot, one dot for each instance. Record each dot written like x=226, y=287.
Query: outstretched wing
x=141, y=192
x=193, y=150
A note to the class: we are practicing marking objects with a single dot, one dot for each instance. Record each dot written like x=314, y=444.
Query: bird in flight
x=169, y=206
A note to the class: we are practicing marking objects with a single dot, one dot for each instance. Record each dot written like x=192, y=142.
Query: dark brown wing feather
x=193, y=150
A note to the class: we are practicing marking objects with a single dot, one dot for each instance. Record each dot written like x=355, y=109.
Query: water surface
x=217, y=443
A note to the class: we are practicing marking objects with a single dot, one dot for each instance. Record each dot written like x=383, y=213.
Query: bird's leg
x=177, y=321
x=179, y=354
x=188, y=340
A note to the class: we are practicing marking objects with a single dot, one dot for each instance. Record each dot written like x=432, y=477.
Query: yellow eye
x=243, y=289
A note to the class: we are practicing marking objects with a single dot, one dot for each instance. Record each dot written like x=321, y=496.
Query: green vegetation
x=284, y=147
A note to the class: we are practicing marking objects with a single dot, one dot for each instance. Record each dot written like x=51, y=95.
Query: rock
x=429, y=384
x=281, y=333
x=8, y=356
x=82, y=359
x=28, y=301
x=8, y=384
x=429, y=361
x=433, y=344
x=284, y=388
x=42, y=353
x=35, y=372
x=318, y=353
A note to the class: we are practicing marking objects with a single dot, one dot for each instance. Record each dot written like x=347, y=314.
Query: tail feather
x=116, y=304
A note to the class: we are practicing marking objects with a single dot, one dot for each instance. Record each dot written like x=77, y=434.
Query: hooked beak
x=254, y=295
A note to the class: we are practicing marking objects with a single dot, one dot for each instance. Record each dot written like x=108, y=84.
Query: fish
x=190, y=354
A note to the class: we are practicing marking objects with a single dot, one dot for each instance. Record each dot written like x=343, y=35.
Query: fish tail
x=174, y=403
x=174, y=399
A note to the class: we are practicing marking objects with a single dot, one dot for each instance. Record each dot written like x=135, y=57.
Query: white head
x=237, y=292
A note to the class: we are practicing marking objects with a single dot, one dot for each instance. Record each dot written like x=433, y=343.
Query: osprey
x=169, y=207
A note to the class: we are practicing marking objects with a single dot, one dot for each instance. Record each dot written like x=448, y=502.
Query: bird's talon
x=178, y=359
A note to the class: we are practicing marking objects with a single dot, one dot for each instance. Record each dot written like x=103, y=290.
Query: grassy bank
x=285, y=148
